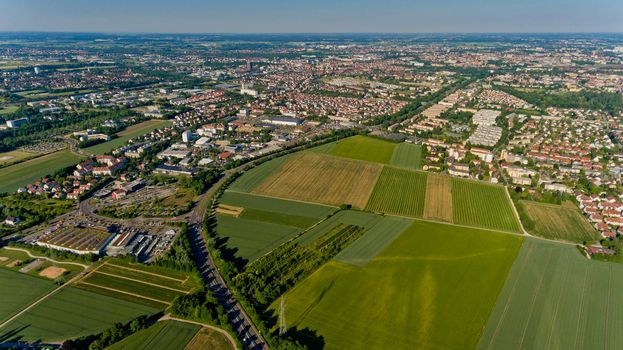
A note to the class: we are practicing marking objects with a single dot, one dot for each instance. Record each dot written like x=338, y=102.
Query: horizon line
x=297, y=33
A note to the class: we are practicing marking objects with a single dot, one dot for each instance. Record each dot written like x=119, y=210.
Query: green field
x=554, y=298
x=275, y=205
x=399, y=192
x=123, y=136
x=276, y=211
x=18, y=290
x=142, y=284
x=347, y=217
x=431, y=288
x=407, y=155
x=482, y=205
x=21, y=174
x=551, y=221
x=164, y=335
x=250, y=179
x=364, y=148
x=374, y=241
x=70, y=313
x=252, y=239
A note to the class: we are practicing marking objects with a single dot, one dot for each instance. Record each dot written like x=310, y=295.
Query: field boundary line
x=283, y=198
x=46, y=258
x=143, y=282
x=145, y=272
x=209, y=326
x=510, y=295
x=577, y=328
x=124, y=292
x=534, y=297
x=555, y=316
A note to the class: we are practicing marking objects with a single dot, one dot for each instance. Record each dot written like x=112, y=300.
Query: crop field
x=250, y=179
x=557, y=222
x=14, y=260
x=70, y=313
x=276, y=205
x=364, y=148
x=418, y=293
x=438, y=198
x=399, y=192
x=482, y=205
x=134, y=284
x=173, y=335
x=407, y=155
x=12, y=157
x=346, y=217
x=252, y=239
x=322, y=179
x=17, y=175
x=374, y=241
x=18, y=290
x=127, y=134
x=554, y=298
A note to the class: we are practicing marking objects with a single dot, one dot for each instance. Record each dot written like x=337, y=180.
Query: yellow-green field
x=424, y=291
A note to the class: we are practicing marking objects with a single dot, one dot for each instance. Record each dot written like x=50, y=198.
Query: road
x=239, y=320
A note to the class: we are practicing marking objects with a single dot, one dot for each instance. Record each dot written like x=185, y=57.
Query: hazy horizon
x=312, y=17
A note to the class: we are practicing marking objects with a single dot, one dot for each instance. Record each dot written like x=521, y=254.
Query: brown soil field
x=3, y=258
x=14, y=263
x=322, y=179
x=209, y=339
x=229, y=210
x=52, y=272
x=438, y=204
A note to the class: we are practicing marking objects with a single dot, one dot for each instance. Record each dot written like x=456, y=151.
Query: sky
x=312, y=16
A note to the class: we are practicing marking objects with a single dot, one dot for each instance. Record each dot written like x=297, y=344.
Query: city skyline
x=242, y=16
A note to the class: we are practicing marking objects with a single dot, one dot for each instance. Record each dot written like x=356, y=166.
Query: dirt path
x=220, y=330
x=84, y=267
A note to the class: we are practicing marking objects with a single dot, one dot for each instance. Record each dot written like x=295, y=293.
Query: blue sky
x=278, y=16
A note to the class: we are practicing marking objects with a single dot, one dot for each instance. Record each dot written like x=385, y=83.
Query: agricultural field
x=364, y=148
x=137, y=283
x=174, y=335
x=250, y=179
x=71, y=313
x=12, y=157
x=277, y=211
x=250, y=238
x=374, y=240
x=482, y=205
x=18, y=290
x=322, y=179
x=564, y=222
x=17, y=175
x=399, y=192
x=438, y=198
x=407, y=155
x=346, y=217
x=555, y=298
x=127, y=134
x=424, y=280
